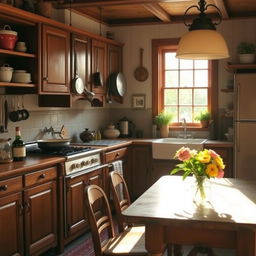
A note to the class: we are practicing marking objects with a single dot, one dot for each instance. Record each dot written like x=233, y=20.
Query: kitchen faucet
x=184, y=126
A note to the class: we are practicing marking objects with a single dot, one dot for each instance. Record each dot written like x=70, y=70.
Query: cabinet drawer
x=115, y=155
x=40, y=176
x=10, y=185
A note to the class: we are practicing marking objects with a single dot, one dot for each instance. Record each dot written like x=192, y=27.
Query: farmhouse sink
x=166, y=148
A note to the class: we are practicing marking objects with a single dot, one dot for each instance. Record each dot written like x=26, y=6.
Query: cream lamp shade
x=202, y=44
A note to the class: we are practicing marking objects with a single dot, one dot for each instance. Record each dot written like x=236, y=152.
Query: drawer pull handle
x=3, y=188
x=117, y=155
x=42, y=176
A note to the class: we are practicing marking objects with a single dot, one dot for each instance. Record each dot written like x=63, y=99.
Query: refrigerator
x=245, y=126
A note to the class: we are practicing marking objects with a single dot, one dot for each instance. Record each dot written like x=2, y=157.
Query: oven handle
x=72, y=176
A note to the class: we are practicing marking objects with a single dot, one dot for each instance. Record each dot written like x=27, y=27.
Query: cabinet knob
x=45, y=79
x=3, y=188
x=42, y=176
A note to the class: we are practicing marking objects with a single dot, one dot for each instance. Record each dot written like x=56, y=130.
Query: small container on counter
x=111, y=132
x=5, y=151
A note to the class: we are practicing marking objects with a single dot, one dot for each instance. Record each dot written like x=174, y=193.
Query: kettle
x=126, y=128
x=87, y=135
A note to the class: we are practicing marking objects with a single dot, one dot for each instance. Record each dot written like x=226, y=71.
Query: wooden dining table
x=172, y=216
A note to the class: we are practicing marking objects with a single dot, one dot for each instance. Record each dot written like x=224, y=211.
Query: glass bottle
x=18, y=147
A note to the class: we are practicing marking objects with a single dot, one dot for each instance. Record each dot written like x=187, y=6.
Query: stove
x=78, y=158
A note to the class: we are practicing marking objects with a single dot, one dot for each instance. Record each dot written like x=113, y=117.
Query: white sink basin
x=166, y=148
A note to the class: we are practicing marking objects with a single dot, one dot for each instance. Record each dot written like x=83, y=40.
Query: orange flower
x=212, y=170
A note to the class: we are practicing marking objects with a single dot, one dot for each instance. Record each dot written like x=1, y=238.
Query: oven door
x=75, y=218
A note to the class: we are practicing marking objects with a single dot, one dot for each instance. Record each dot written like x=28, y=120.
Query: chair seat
x=129, y=242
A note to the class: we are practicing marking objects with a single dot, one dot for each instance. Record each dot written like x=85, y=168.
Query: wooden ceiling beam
x=158, y=11
x=220, y=4
x=99, y=3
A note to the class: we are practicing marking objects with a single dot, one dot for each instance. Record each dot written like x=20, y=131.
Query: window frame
x=158, y=47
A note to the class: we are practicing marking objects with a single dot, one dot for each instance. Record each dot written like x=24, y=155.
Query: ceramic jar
x=21, y=47
x=8, y=38
x=6, y=73
x=111, y=132
x=5, y=151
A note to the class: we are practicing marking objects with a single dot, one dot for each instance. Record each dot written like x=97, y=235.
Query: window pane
x=171, y=79
x=171, y=62
x=185, y=96
x=200, y=97
x=201, y=78
x=174, y=112
x=171, y=97
x=185, y=112
x=201, y=64
x=186, y=78
x=186, y=64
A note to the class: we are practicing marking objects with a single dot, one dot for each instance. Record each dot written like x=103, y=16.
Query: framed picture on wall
x=139, y=101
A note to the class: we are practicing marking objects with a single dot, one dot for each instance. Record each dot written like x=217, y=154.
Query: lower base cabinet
x=76, y=220
x=28, y=214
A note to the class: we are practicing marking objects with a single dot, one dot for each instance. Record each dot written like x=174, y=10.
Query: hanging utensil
x=1, y=115
x=6, y=113
x=141, y=73
x=78, y=84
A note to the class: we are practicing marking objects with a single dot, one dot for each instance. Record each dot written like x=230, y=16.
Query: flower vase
x=201, y=187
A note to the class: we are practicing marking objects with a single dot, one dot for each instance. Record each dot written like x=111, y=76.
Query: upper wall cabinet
x=99, y=66
x=114, y=59
x=55, y=61
x=80, y=62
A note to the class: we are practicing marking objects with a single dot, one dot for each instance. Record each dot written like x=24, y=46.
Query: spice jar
x=5, y=151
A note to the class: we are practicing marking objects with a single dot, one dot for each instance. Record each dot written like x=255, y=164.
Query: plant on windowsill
x=246, y=52
x=204, y=117
x=162, y=120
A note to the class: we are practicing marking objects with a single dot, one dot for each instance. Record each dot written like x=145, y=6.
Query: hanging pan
x=141, y=73
x=77, y=83
x=117, y=84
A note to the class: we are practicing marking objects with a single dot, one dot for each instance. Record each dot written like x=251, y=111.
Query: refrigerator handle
x=237, y=101
x=238, y=136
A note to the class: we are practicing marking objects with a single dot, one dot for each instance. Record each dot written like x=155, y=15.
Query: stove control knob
x=83, y=163
x=87, y=162
x=77, y=165
x=73, y=166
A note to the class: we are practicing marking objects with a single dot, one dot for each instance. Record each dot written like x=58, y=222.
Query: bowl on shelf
x=21, y=76
x=229, y=136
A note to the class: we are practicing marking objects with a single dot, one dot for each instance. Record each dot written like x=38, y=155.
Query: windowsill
x=189, y=128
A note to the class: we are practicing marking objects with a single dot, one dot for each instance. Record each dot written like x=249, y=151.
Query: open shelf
x=227, y=90
x=15, y=53
x=5, y=84
x=234, y=67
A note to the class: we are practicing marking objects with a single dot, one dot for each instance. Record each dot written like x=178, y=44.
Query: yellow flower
x=204, y=156
x=212, y=170
x=219, y=162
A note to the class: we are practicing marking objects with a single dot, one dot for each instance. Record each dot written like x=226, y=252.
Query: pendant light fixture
x=202, y=42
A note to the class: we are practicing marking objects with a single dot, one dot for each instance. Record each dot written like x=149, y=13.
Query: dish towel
x=118, y=166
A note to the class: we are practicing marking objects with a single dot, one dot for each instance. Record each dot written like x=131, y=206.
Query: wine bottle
x=18, y=147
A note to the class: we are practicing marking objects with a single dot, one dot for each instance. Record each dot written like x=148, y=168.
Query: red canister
x=8, y=38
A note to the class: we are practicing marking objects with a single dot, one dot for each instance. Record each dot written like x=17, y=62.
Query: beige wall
x=134, y=37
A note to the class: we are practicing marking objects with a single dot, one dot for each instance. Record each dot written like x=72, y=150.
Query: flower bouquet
x=202, y=165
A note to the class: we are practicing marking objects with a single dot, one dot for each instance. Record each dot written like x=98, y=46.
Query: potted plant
x=246, y=52
x=204, y=117
x=162, y=120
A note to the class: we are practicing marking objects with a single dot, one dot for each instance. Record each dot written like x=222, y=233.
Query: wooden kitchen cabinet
x=99, y=64
x=114, y=59
x=55, y=61
x=11, y=217
x=140, y=169
x=81, y=61
x=76, y=219
x=28, y=213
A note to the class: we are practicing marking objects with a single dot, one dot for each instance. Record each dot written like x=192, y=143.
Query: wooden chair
x=121, y=198
x=129, y=242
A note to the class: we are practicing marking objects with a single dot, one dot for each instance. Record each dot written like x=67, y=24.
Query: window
x=183, y=87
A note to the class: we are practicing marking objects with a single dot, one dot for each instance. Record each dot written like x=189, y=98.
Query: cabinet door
x=99, y=64
x=75, y=210
x=81, y=64
x=11, y=225
x=56, y=58
x=40, y=217
x=141, y=169
x=114, y=59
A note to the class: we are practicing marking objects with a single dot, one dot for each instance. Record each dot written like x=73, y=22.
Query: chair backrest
x=121, y=197
x=101, y=224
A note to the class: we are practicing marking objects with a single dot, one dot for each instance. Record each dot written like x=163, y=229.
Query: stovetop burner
x=64, y=151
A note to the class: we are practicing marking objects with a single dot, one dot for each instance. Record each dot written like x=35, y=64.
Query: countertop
x=36, y=162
